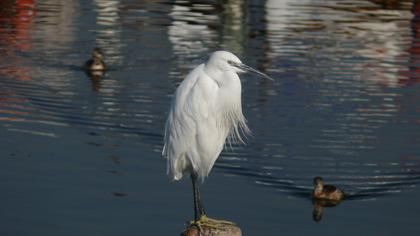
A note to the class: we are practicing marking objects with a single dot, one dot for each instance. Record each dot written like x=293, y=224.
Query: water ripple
x=344, y=104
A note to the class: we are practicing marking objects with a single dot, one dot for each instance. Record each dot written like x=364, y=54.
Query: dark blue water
x=81, y=155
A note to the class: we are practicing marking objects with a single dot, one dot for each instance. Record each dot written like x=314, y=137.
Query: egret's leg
x=198, y=207
x=200, y=203
x=200, y=218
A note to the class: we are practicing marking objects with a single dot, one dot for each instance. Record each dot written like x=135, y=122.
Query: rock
x=221, y=230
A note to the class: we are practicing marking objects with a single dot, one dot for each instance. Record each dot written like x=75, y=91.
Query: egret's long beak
x=249, y=69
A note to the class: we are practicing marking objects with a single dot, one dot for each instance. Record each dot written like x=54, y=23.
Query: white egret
x=205, y=111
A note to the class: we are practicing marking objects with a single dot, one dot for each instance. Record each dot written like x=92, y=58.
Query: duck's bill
x=250, y=69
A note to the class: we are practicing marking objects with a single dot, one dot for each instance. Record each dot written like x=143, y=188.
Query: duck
x=326, y=192
x=95, y=63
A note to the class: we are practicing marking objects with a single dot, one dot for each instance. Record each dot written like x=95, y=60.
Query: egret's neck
x=229, y=107
x=220, y=71
x=214, y=73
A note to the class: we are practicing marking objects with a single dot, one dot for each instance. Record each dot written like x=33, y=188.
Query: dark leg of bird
x=194, y=185
x=198, y=208
x=200, y=218
x=200, y=203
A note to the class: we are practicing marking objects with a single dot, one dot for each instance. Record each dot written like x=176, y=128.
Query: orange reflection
x=15, y=22
x=414, y=50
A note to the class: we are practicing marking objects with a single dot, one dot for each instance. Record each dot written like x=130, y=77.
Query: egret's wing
x=191, y=106
x=177, y=123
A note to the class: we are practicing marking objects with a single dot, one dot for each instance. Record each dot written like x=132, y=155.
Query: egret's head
x=226, y=61
x=97, y=53
x=222, y=59
x=318, y=181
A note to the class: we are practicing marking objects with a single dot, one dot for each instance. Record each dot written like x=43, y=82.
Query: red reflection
x=389, y=4
x=414, y=50
x=15, y=22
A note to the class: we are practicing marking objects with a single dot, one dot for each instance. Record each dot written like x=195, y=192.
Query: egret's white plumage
x=205, y=111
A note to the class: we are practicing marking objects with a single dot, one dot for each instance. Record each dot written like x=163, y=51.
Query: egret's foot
x=209, y=220
x=206, y=222
x=198, y=225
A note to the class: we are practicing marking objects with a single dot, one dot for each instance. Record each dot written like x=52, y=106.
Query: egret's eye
x=235, y=64
x=231, y=62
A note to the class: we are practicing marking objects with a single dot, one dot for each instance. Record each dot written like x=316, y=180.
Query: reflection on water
x=345, y=53
x=95, y=78
x=15, y=25
x=319, y=207
x=235, y=28
x=54, y=29
x=108, y=34
x=197, y=29
x=191, y=34
x=344, y=105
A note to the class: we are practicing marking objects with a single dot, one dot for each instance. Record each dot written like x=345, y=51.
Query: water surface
x=81, y=155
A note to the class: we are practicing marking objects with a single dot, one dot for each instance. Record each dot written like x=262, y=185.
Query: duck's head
x=97, y=53
x=318, y=181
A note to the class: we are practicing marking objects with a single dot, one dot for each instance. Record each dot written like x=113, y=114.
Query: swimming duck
x=95, y=63
x=326, y=192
